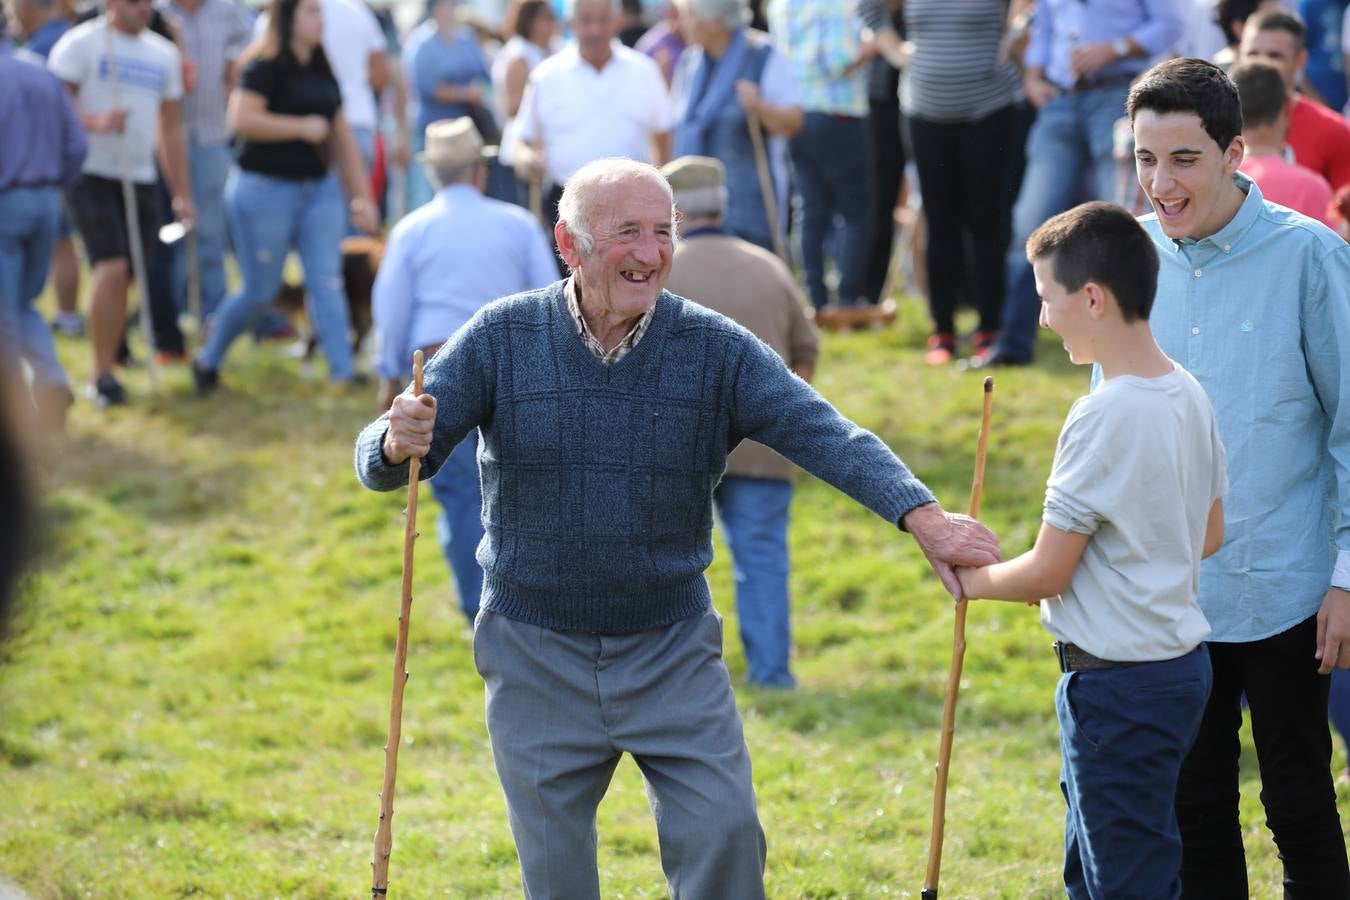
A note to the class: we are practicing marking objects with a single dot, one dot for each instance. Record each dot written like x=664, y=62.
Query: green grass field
x=195, y=697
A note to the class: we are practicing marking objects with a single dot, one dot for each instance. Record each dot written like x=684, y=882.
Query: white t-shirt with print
x=582, y=115
x=148, y=71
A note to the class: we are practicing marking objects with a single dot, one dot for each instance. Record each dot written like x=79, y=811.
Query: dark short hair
x=520, y=16
x=1281, y=20
x=1261, y=87
x=1190, y=85
x=1102, y=243
x=1227, y=11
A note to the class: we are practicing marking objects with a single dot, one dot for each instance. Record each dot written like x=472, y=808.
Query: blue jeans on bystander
x=460, y=523
x=1123, y=733
x=209, y=168
x=1069, y=160
x=754, y=514
x=30, y=220
x=832, y=164
x=268, y=216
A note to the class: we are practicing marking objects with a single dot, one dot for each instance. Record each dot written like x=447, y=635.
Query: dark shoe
x=997, y=358
x=107, y=391
x=203, y=379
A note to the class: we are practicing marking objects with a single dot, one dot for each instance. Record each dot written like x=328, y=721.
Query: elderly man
x=731, y=79
x=606, y=408
x=752, y=286
x=592, y=99
x=442, y=263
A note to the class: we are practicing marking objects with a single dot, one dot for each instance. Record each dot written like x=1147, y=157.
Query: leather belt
x=1073, y=658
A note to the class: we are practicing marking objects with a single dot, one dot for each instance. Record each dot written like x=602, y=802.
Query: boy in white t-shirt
x=1132, y=505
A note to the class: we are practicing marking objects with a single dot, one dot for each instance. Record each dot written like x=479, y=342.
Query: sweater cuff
x=908, y=495
x=372, y=468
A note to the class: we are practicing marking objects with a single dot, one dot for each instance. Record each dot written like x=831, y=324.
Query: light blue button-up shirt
x=1259, y=313
x=446, y=260
x=1062, y=26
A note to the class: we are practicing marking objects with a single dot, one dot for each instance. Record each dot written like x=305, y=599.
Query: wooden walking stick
x=930, y=881
x=765, y=182
x=384, y=836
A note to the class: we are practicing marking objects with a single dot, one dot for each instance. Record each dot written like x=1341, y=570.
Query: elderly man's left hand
x=948, y=539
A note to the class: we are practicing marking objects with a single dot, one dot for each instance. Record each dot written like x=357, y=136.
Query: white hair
x=576, y=209
x=733, y=14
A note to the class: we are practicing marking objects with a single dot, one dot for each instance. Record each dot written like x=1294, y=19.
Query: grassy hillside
x=196, y=694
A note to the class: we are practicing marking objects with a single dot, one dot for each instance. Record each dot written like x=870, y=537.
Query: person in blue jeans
x=34, y=104
x=1079, y=61
x=1133, y=503
x=750, y=285
x=832, y=153
x=287, y=115
x=443, y=262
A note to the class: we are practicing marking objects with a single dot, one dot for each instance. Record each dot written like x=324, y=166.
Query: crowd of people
x=541, y=156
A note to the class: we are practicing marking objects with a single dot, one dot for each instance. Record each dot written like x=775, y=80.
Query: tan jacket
x=752, y=286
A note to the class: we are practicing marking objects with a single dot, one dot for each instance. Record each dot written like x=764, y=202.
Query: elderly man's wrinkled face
x=594, y=24
x=634, y=240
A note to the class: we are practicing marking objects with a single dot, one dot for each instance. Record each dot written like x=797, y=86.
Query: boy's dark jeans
x=1123, y=733
x=1288, y=702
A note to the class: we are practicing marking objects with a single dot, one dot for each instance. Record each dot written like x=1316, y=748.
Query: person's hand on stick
x=950, y=539
x=411, y=421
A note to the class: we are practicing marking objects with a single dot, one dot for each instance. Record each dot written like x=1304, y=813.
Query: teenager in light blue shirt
x=443, y=262
x=1254, y=300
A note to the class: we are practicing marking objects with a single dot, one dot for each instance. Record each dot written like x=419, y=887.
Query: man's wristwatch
x=1120, y=47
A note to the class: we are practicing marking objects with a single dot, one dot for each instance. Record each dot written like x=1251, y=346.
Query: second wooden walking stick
x=930, y=881
x=384, y=835
x=765, y=182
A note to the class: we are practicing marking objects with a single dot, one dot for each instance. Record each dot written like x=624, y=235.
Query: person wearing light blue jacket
x=1254, y=300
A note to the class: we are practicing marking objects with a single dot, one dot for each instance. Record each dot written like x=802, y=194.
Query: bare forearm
x=1019, y=579
x=783, y=121
x=662, y=146
x=268, y=127
x=351, y=166
x=174, y=161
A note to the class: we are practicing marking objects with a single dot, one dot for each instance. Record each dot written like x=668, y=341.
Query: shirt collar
x=1227, y=237
x=573, y=294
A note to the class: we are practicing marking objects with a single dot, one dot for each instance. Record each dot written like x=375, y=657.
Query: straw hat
x=454, y=143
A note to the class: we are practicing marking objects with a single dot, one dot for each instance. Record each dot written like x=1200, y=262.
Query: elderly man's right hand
x=948, y=540
x=411, y=421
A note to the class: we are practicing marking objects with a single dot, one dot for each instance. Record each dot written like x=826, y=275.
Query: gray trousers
x=563, y=707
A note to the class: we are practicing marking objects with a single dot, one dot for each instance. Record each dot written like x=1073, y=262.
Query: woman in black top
x=287, y=114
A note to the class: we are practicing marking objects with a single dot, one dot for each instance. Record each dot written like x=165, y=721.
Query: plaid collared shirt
x=621, y=349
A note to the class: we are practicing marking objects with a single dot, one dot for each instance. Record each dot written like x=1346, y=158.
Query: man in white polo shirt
x=595, y=98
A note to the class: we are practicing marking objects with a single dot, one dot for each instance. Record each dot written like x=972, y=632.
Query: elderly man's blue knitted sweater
x=598, y=480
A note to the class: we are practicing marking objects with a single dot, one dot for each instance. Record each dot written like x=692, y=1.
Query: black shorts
x=100, y=215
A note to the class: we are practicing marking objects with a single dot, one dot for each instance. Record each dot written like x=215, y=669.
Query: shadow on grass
x=139, y=482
